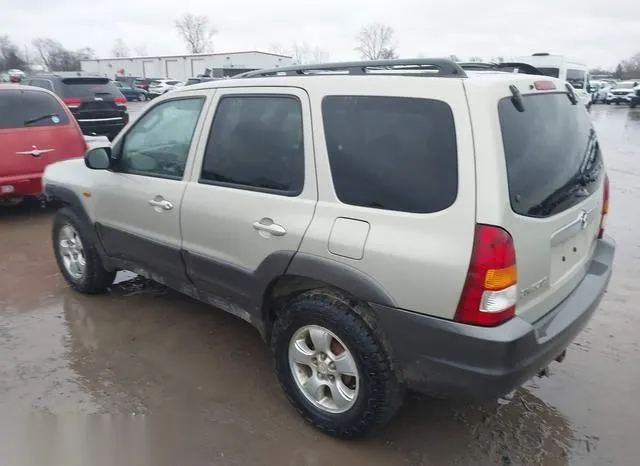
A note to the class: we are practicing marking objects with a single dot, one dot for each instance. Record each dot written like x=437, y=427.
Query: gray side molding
x=342, y=276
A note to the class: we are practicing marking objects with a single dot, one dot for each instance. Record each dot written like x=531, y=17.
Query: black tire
x=95, y=279
x=142, y=97
x=380, y=392
x=617, y=102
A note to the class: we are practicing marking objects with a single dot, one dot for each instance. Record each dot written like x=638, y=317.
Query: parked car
x=143, y=83
x=466, y=269
x=635, y=98
x=131, y=91
x=622, y=92
x=198, y=80
x=600, y=91
x=96, y=102
x=36, y=129
x=161, y=86
x=178, y=85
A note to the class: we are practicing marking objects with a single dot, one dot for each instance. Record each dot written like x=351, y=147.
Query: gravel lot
x=206, y=383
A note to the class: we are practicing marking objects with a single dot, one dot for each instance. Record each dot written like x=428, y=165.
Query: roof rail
x=507, y=67
x=440, y=67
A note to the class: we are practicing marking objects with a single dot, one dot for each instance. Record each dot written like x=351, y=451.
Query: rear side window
x=392, y=153
x=89, y=88
x=552, y=154
x=256, y=143
x=24, y=108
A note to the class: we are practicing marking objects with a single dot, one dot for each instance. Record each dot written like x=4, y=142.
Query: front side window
x=158, y=144
x=392, y=153
x=256, y=143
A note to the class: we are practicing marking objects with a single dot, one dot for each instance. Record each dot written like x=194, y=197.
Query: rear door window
x=552, y=154
x=392, y=153
x=89, y=88
x=256, y=143
x=26, y=108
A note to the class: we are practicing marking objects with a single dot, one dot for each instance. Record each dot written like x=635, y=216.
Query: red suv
x=36, y=129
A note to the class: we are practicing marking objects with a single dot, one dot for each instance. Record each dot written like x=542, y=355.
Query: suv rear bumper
x=448, y=358
x=103, y=126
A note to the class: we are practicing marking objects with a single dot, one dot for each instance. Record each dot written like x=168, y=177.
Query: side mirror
x=98, y=158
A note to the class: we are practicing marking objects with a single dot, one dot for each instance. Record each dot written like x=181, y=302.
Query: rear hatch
x=35, y=131
x=555, y=174
x=93, y=98
x=553, y=191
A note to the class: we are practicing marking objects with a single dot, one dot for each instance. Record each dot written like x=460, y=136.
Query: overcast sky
x=596, y=32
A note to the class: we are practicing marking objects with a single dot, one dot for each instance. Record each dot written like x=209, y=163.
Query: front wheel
x=332, y=367
x=76, y=256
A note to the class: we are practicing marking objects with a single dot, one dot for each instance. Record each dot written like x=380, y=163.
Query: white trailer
x=182, y=67
x=559, y=66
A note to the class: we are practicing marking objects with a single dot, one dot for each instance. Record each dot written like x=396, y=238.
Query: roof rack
x=507, y=67
x=440, y=67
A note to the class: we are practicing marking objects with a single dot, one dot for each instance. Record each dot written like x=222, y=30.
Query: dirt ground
x=198, y=387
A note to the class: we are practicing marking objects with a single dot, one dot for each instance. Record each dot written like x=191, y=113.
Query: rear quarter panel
x=420, y=260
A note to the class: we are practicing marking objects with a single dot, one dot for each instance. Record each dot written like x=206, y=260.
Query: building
x=185, y=66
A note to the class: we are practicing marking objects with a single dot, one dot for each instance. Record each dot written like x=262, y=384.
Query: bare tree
x=301, y=53
x=141, y=50
x=57, y=58
x=454, y=57
x=119, y=48
x=475, y=59
x=375, y=42
x=196, y=31
x=10, y=56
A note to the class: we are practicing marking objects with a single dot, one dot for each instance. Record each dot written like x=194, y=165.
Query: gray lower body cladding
x=448, y=358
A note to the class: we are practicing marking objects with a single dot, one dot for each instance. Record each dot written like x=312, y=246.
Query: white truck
x=559, y=66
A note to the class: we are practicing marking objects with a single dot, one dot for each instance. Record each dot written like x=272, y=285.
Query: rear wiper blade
x=40, y=118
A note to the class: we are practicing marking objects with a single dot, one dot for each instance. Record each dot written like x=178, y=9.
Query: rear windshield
x=552, y=154
x=25, y=108
x=192, y=81
x=88, y=88
x=392, y=153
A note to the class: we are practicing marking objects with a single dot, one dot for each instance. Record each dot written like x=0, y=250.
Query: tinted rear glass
x=37, y=108
x=392, y=153
x=88, y=88
x=552, y=154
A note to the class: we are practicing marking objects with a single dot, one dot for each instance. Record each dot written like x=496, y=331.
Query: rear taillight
x=120, y=100
x=544, y=85
x=605, y=206
x=72, y=102
x=491, y=288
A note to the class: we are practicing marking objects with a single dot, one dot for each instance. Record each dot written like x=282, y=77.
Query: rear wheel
x=76, y=256
x=142, y=97
x=332, y=367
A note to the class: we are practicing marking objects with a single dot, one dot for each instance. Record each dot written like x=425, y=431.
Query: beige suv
x=382, y=224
